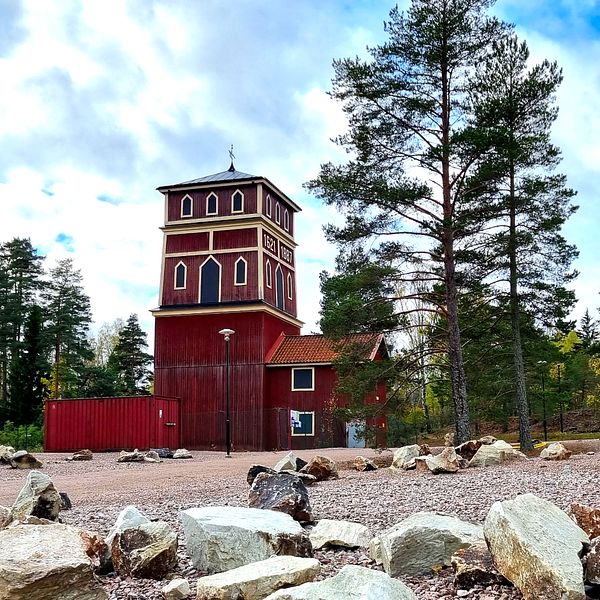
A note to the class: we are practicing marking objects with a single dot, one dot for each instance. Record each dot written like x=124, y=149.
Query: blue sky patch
x=66, y=241
x=109, y=199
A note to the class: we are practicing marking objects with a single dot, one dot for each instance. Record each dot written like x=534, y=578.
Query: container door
x=164, y=423
x=354, y=435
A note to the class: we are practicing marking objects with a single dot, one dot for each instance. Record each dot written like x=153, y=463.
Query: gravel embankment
x=101, y=488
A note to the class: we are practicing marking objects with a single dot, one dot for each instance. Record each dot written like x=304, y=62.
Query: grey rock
x=163, y=452
x=257, y=580
x=555, y=451
x=148, y=550
x=135, y=456
x=321, y=467
x=281, y=492
x=82, y=455
x=65, y=501
x=405, y=457
x=445, y=462
x=352, y=582
x=38, y=498
x=24, y=460
x=592, y=563
x=39, y=562
x=537, y=547
x=254, y=470
x=474, y=566
x=329, y=532
x=182, y=453
x=288, y=463
x=424, y=541
x=219, y=538
x=364, y=464
x=6, y=453
x=152, y=457
x=495, y=454
x=176, y=589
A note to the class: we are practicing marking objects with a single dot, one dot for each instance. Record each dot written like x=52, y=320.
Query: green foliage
x=129, y=361
x=22, y=437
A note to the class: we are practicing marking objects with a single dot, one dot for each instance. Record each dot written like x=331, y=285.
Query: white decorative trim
x=211, y=257
x=181, y=213
x=268, y=274
x=175, y=286
x=277, y=212
x=233, y=212
x=286, y=219
x=212, y=194
x=269, y=203
x=235, y=281
x=306, y=412
x=290, y=293
x=279, y=291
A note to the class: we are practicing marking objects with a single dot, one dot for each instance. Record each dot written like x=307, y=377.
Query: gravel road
x=99, y=489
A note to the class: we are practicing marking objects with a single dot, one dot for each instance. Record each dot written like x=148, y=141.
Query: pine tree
x=515, y=108
x=415, y=154
x=20, y=272
x=29, y=372
x=588, y=331
x=129, y=360
x=68, y=317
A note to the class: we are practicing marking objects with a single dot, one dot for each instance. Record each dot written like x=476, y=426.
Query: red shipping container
x=111, y=424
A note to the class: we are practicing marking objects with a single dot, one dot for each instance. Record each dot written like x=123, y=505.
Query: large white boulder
x=423, y=541
x=129, y=517
x=43, y=562
x=404, y=458
x=339, y=533
x=219, y=538
x=495, y=454
x=352, y=582
x=535, y=545
x=257, y=580
x=555, y=451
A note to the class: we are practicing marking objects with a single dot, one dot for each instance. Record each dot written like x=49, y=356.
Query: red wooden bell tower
x=227, y=262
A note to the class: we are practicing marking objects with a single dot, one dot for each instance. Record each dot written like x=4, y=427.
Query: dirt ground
x=93, y=482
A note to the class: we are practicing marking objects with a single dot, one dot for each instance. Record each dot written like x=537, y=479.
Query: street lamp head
x=227, y=333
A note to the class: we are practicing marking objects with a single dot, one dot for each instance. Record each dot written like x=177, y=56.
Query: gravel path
x=99, y=489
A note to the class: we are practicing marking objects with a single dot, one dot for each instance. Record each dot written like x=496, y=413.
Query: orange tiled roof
x=309, y=349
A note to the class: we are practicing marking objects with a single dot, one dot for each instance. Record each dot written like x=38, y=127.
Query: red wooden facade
x=103, y=424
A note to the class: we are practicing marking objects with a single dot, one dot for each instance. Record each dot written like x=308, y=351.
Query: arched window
x=268, y=275
x=237, y=202
x=268, y=205
x=289, y=287
x=212, y=204
x=180, y=276
x=210, y=281
x=286, y=219
x=279, y=299
x=240, y=271
x=186, y=206
x=277, y=212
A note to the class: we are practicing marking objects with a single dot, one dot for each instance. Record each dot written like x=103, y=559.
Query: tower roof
x=224, y=176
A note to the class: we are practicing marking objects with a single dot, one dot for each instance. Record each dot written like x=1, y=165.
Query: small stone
x=364, y=464
x=321, y=467
x=281, y=492
x=182, y=453
x=177, y=589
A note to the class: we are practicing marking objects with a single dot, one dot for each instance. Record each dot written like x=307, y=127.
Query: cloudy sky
x=104, y=100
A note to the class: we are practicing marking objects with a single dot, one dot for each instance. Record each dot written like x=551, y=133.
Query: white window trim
x=182, y=214
x=200, y=277
x=240, y=259
x=277, y=212
x=268, y=275
x=286, y=219
x=216, y=204
x=282, y=290
x=290, y=293
x=242, y=209
x=268, y=205
x=312, y=414
x=180, y=264
x=310, y=389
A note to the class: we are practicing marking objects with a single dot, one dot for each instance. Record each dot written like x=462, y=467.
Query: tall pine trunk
x=520, y=390
x=455, y=357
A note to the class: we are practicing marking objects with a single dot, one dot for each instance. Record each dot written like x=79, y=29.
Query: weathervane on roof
x=231, y=156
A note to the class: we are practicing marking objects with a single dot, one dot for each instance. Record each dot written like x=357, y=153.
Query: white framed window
x=212, y=204
x=286, y=219
x=290, y=293
x=240, y=272
x=279, y=288
x=303, y=379
x=268, y=205
x=180, y=276
x=237, y=202
x=268, y=274
x=306, y=425
x=277, y=213
x=186, y=206
x=210, y=281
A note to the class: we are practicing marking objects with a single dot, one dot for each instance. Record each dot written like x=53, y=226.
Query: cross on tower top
x=231, y=156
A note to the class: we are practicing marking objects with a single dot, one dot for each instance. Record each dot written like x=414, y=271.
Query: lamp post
x=543, y=363
x=560, y=405
x=227, y=333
